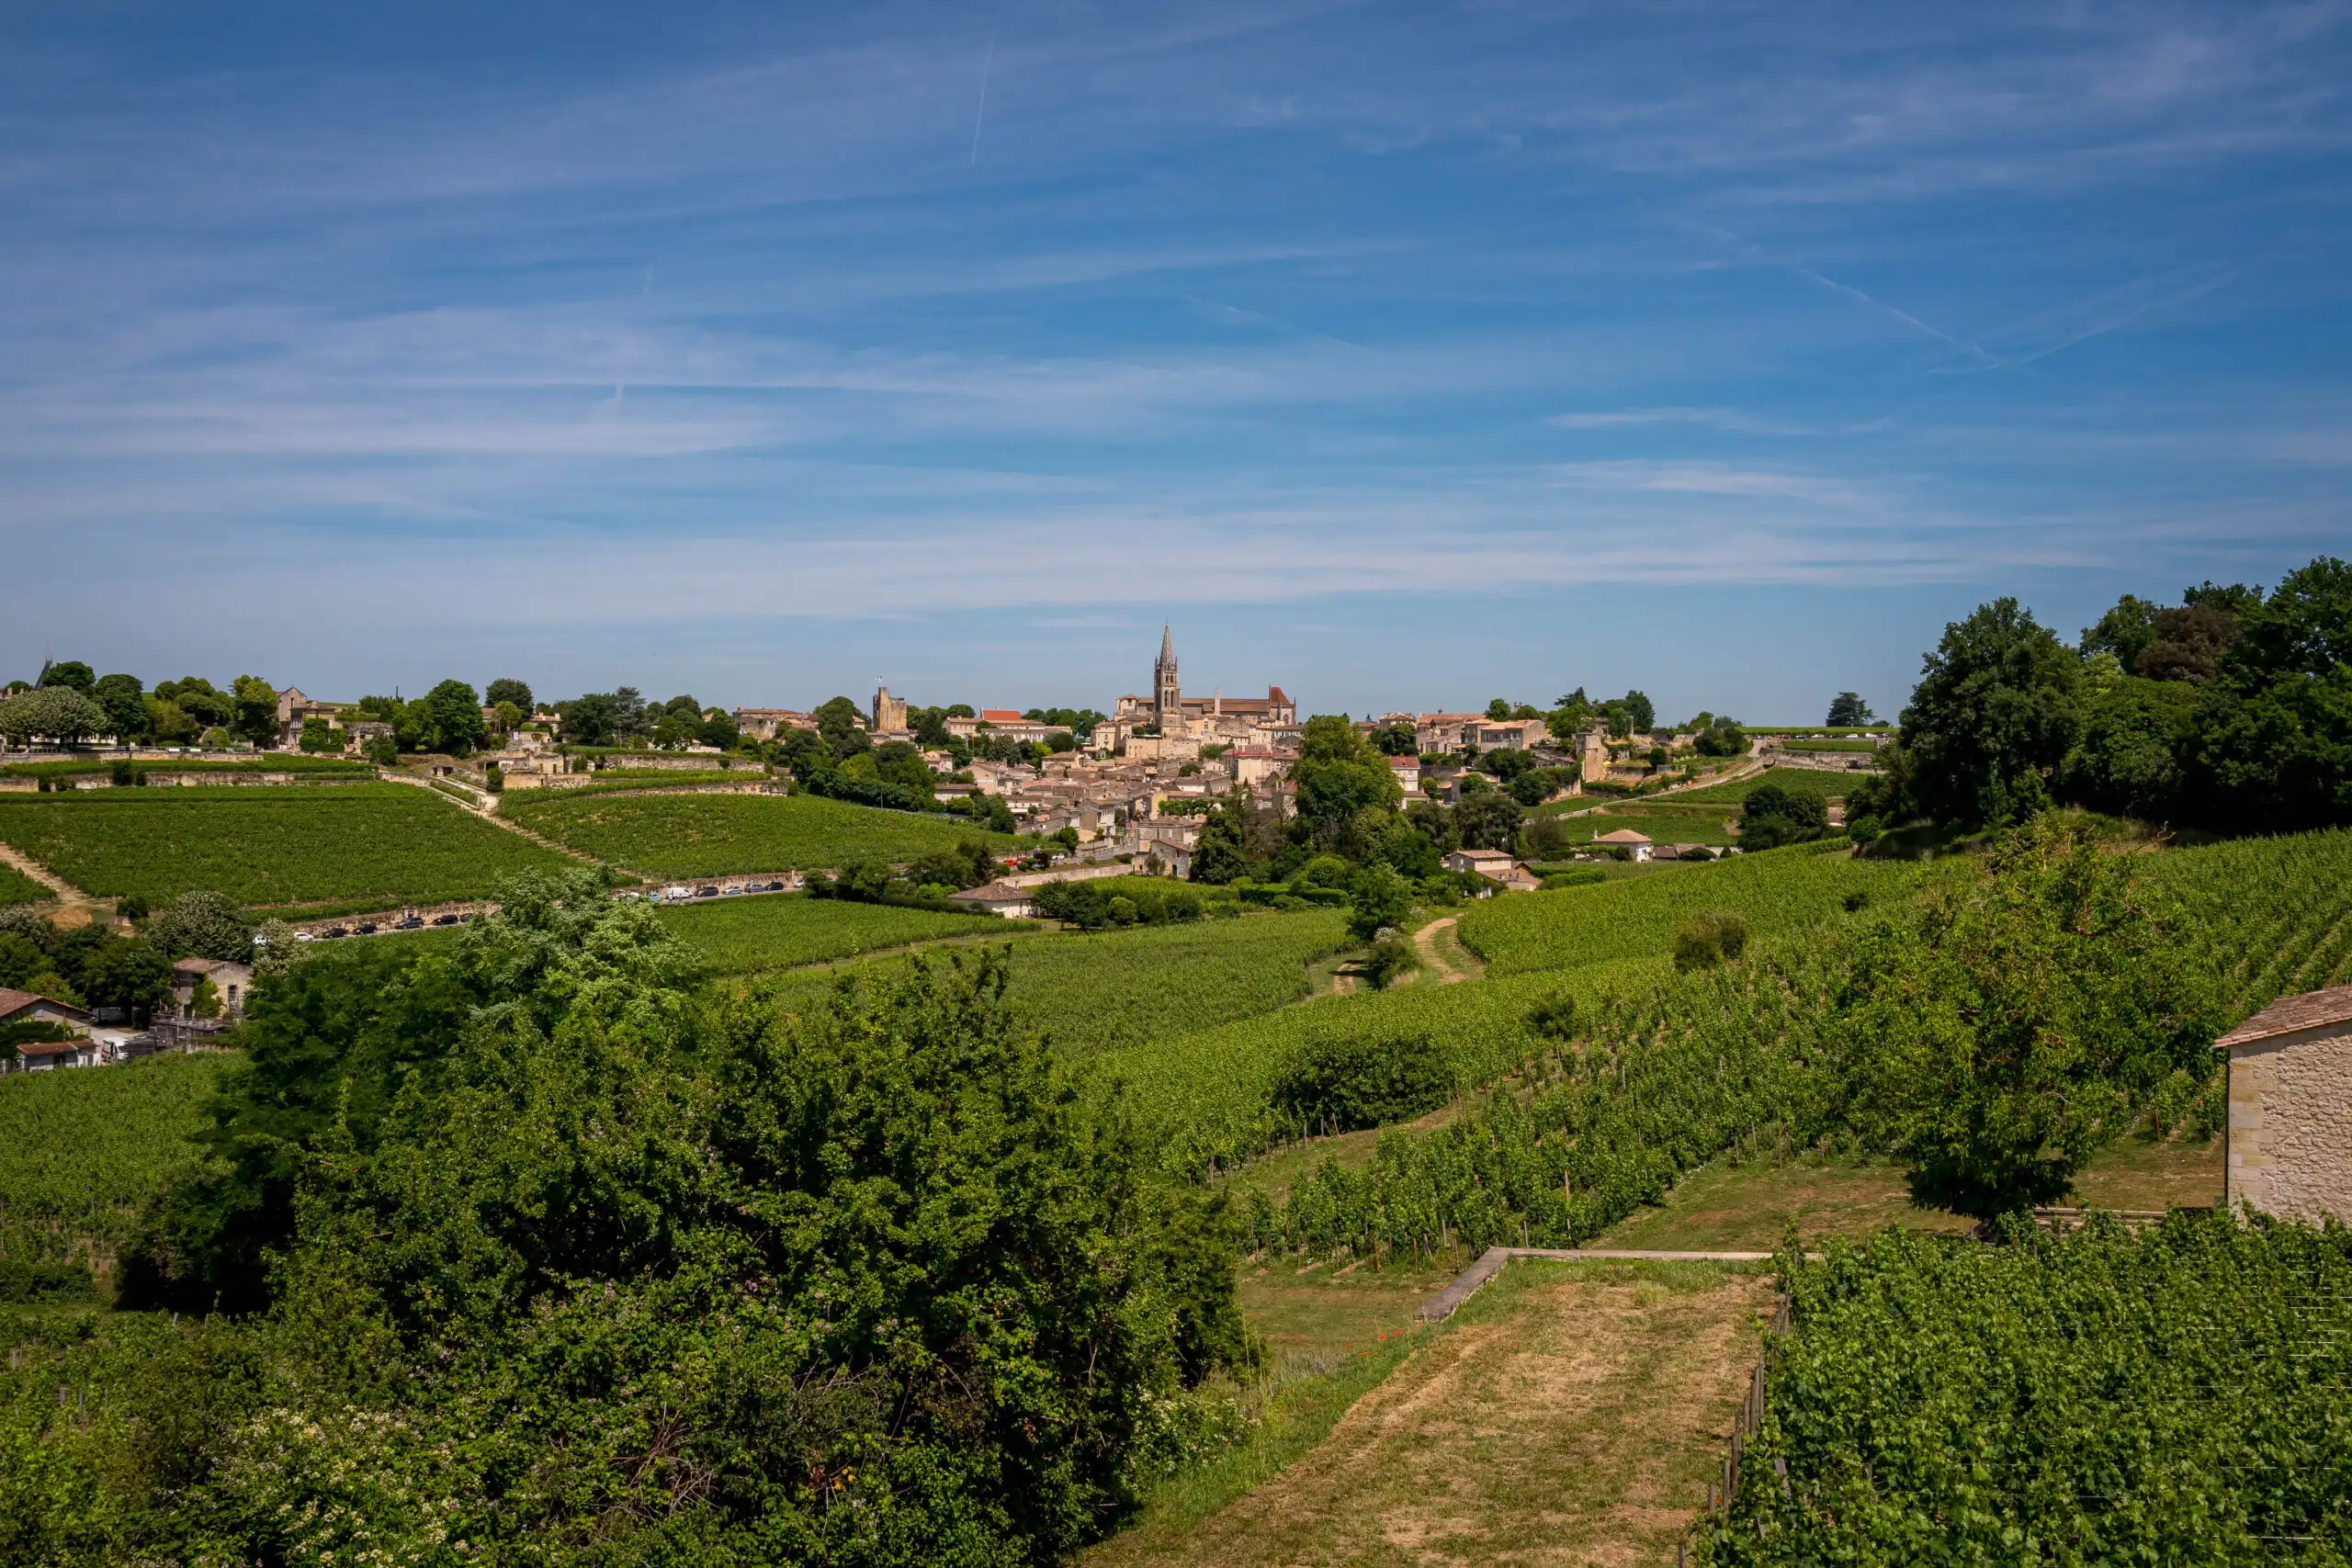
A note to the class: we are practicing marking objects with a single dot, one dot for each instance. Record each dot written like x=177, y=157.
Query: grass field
x=1778, y=892
x=713, y=835
x=1569, y=1413
x=16, y=887
x=743, y=936
x=263, y=844
x=1662, y=821
x=1812, y=780
x=82, y=1151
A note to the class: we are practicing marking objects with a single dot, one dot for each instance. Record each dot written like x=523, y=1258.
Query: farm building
x=999, y=898
x=34, y=1057
x=230, y=984
x=2290, y=1137
x=1625, y=839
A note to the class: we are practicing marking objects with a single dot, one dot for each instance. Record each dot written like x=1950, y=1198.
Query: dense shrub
x=1345, y=1084
x=1709, y=938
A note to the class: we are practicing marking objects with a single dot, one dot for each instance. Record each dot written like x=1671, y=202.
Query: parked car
x=446, y=920
x=705, y=892
x=411, y=924
x=365, y=928
x=334, y=931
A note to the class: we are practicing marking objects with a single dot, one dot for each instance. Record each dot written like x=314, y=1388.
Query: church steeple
x=1167, y=699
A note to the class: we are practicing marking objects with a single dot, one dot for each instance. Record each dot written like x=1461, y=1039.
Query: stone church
x=1169, y=724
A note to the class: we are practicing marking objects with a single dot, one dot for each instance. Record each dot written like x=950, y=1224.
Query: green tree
x=1640, y=714
x=1998, y=707
x=840, y=724
x=255, y=714
x=1378, y=900
x=1848, y=711
x=201, y=925
x=2125, y=631
x=506, y=690
x=454, y=714
x=55, y=713
x=1499, y=709
x=1770, y=816
x=1489, y=820
x=126, y=703
x=2127, y=759
x=1222, y=853
x=2019, y=1020
x=70, y=673
x=720, y=729
x=318, y=736
x=1338, y=774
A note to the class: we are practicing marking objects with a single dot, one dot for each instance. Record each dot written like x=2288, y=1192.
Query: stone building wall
x=2290, y=1124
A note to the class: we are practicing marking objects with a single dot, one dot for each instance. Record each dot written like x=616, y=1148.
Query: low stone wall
x=1824, y=762
x=157, y=777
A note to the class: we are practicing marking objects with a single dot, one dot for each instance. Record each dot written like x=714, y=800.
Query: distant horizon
x=1400, y=355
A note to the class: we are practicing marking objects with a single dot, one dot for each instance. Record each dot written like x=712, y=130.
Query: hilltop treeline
x=2230, y=711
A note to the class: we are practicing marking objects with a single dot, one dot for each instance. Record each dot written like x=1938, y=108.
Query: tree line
x=2230, y=711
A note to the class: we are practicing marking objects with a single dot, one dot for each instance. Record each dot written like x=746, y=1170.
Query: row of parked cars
x=683, y=894
x=369, y=928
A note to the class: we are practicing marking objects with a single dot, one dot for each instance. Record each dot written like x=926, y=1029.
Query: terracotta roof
x=1002, y=715
x=1484, y=854
x=17, y=1001
x=51, y=1047
x=1622, y=836
x=2290, y=1013
x=203, y=965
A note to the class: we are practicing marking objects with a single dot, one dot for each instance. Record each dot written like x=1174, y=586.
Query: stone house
x=1493, y=864
x=232, y=982
x=1406, y=772
x=1625, y=839
x=764, y=724
x=2288, y=1143
x=1511, y=734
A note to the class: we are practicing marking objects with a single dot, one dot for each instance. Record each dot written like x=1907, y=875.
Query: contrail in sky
x=987, y=60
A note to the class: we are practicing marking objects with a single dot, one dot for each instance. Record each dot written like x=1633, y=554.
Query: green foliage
x=1808, y=780
x=712, y=835
x=2275, y=914
x=267, y=844
x=1489, y=820
x=70, y=674
x=1339, y=1085
x=1378, y=900
x=1997, y=709
x=318, y=736
x=508, y=690
x=1771, y=815
x=570, y=1267
x=58, y=713
x=2169, y=1397
x=82, y=1153
x=1119, y=901
x=2018, y=1020
x=1722, y=737
x=1339, y=775
x=201, y=925
x=16, y=887
x=1391, y=959
x=1712, y=937
x=1846, y=710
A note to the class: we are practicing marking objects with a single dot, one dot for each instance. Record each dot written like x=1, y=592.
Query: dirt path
x=75, y=908
x=1574, y=1420
x=1443, y=953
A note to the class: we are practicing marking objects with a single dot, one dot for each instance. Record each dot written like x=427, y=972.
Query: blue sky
x=1406, y=355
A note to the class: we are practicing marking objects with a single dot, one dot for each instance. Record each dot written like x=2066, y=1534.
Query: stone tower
x=1168, y=702
x=889, y=712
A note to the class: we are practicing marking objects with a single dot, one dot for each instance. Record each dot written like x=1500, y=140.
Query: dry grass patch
x=1571, y=1413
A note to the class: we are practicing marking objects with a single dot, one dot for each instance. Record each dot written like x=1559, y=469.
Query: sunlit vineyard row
x=82, y=1152
x=267, y=844
x=1781, y=891
x=2103, y=1398
x=717, y=835
x=2277, y=912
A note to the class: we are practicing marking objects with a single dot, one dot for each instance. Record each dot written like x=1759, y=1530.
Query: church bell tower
x=1167, y=703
